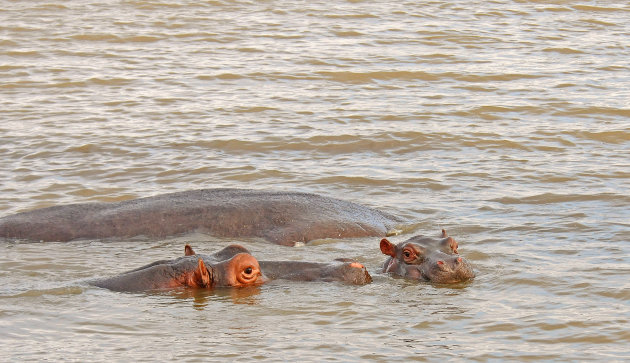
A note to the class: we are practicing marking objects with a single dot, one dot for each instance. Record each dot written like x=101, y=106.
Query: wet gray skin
x=279, y=217
x=445, y=243
x=240, y=270
x=436, y=267
x=414, y=250
x=343, y=270
x=221, y=255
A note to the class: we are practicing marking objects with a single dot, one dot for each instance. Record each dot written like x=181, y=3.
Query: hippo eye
x=406, y=253
x=249, y=270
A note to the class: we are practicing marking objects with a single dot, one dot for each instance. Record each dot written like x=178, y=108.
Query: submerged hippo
x=279, y=217
x=413, y=250
x=232, y=266
x=428, y=259
x=344, y=270
x=221, y=269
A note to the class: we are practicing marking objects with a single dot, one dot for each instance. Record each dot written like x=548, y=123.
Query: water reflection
x=202, y=297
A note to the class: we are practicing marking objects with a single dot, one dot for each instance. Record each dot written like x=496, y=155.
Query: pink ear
x=387, y=248
x=444, y=234
x=202, y=275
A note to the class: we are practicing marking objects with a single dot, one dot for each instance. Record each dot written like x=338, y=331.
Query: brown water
x=505, y=122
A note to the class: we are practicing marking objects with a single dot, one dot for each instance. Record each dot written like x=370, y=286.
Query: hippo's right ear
x=202, y=275
x=388, y=248
x=188, y=251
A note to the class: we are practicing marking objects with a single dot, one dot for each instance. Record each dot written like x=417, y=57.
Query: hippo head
x=415, y=249
x=241, y=270
x=426, y=258
x=442, y=268
x=234, y=269
x=232, y=266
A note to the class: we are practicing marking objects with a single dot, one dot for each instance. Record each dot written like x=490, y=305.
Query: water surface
x=505, y=122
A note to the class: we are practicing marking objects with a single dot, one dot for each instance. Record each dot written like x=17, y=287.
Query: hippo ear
x=388, y=248
x=202, y=275
x=452, y=244
x=444, y=234
x=188, y=251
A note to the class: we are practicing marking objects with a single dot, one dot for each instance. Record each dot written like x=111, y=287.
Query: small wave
x=610, y=137
x=363, y=77
x=251, y=50
x=598, y=22
x=110, y=81
x=254, y=109
x=593, y=8
x=220, y=76
x=348, y=33
x=94, y=37
x=25, y=53
x=551, y=198
x=594, y=111
x=69, y=290
x=10, y=67
x=349, y=16
x=396, y=142
x=502, y=77
x=563, y=50
x=137, y=39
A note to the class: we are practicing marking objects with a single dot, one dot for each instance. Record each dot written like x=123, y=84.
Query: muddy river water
x=505, y=122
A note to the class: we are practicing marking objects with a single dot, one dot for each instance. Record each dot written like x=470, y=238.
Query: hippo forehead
x=422, y=239
x=229, y=252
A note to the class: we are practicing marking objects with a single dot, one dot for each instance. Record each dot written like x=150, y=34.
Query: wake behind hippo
x=279, y=217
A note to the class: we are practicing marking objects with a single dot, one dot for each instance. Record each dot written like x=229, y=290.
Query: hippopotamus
x=341, y=269
x=428, y=259
x=232, y=266
x=228, y=267
x=284, y=218
x=413, y=250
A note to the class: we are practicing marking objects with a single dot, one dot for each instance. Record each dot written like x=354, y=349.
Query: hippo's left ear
x=202, y=276
x=188, y=251
x=444, y=234
x=388, y=248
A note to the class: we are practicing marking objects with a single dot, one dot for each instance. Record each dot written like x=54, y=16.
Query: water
x=505, y=122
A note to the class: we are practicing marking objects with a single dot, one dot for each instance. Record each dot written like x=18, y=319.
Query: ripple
x=355, y=77
x=551, y=198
